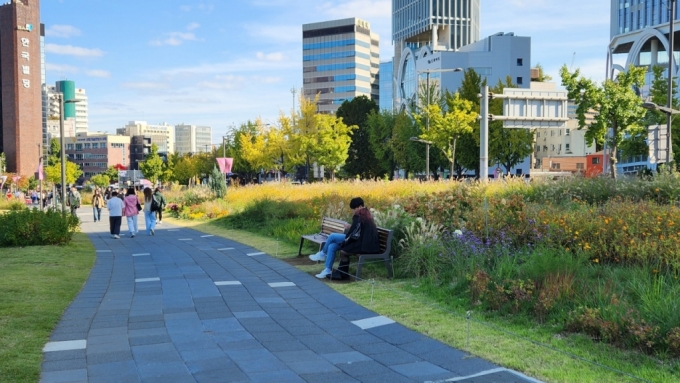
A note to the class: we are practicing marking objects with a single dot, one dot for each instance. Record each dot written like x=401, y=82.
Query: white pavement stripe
x=173, y=230
x=147, y=279
x=252, y=254
x=140, y=254
x=227, y=283
x=282, y=284
x=367, y=323
x=207, y=236
x=103, y=251
x=65, y=346
x=226, y=248
x=186, y=239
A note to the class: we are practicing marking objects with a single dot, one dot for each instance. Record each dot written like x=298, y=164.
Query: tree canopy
x=152, y=167
x=361, y=159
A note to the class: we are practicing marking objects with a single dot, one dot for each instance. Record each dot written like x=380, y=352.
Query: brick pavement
x=183, y=306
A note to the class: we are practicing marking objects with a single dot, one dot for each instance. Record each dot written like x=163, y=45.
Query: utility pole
x=671, y=70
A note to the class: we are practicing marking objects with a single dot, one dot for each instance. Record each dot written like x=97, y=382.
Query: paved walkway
x=183, y=306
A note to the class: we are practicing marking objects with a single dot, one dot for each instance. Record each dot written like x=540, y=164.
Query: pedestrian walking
x=73, y=200
x=151, y=206
x=115, y=206
x=161, y=201
x=132, y=208
x=97, y=205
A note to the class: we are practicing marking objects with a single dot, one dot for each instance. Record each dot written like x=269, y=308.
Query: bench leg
x=300, y=249
x=388, y=265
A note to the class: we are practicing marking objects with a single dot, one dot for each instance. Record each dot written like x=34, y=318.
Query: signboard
x=225, y=164
x=122, y=174
x=525, y=108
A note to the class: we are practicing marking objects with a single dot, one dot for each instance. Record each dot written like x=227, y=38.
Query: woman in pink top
x=131, y=211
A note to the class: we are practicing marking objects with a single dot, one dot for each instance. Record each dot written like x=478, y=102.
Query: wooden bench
x=385, y=238
x=328, y=227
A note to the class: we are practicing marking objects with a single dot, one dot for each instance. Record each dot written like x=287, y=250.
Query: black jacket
x=368, y=242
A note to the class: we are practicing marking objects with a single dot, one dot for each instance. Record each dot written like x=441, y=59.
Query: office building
x=386, y=75
x=76, y=111
x=21, y=101
x=494, y=58
x=639, y=34
x=96, y=152
x=443, y=25
x=340, y=60
x=192, y=139
x=163, y=135
x=140, y=147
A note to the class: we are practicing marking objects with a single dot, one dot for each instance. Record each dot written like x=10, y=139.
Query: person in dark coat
x=360, y=238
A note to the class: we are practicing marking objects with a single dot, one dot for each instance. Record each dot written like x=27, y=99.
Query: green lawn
x=36, y=286
x=407, y=303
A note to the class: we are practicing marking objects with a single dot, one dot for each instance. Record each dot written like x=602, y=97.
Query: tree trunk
x=453, y=157
x=612, y=157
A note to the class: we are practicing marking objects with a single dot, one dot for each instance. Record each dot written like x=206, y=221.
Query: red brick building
x=20, y=78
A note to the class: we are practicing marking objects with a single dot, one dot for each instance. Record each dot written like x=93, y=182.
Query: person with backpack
x=151, y=206
x=97, y=205
x=73, y=200
x=161, y=200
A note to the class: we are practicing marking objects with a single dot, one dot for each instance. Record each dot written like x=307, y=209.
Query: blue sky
x=223, y=62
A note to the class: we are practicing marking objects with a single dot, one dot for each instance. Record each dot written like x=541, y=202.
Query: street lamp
x=60, y=96
x=669, y=112
x=427, y=120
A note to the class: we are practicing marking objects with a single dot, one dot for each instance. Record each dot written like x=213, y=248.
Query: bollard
x=467, y=342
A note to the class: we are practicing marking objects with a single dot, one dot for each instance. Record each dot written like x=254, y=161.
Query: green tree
x=615, y=103
x=361, y=159
x=446, y=127
x=53, y=173
x=184, y=169
x=304, y=131
x=111, y=173
x=334, y=142
x=54, y=153
x=380, y=131
x=408, y=155
x=507, y=147
x=218, y=184
x=101, y=180
x=467, y=155
x=542, y=77
x=3, y=163
x=32, y=183
x=152, y=166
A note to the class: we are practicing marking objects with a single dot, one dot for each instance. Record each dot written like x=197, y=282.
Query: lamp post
x=293, y=91
x=427, y=120
x=671, y=42
x=60, y=96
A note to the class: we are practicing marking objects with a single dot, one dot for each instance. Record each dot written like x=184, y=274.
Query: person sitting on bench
x=360, y=238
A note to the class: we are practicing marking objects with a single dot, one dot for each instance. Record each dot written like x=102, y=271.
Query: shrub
x=33, y=227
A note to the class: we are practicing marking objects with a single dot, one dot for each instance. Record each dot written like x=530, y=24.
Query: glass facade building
x=340, y=61
x=386, y=93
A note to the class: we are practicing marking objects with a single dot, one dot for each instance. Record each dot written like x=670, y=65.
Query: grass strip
x=36, y=285
x=398, y=300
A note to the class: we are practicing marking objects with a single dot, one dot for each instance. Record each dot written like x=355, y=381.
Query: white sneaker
x=116, y=236
x=318, y=257
x=323, y=274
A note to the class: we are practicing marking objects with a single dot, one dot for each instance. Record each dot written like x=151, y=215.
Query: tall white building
x=340, y=60
x=77, y=112
x=163, y=135
x=192, y=139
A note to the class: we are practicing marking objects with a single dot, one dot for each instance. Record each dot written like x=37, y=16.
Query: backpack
x=155, y=206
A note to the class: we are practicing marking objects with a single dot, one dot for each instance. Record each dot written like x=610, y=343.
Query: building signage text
x=25, y=55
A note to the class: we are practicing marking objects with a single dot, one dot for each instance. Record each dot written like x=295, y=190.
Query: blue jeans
x=150, y=220
x=331, y=247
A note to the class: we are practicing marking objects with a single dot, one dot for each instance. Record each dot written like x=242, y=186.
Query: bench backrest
x=385, y=238
x=332, y=225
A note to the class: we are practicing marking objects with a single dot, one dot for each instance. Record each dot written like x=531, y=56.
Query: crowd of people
x=126, y=203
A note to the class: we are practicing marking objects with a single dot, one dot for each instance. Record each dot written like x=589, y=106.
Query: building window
x=69, y=146
x=552, y=133
x=596, y=160
x=556, y=166
x=79, y=147
x=552, y=147
x=580, y=166
x=566, y=133
x=567, y=147
x=520, y=81
x=559, y=132
x=520, y=62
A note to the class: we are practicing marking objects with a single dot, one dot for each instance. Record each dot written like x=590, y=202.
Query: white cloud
x=193, y=26
x=71, y=50
x=275, y=56
x=174, y=39
x=146, y=85
x=64, y=31
x=98, y=73
x=279, y=33
x=60, y=68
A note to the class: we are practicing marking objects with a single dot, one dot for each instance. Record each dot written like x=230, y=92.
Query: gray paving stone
x=221, y=376
x=109, y=357
x=358, y=369
x=64, y=376
x=338, y=377
x=312, y=367
x=63, y=355
x=113, y=369
x=285, y=376
x=346, y=357
x=210, y=364
x=149, y=339
x=418, y=369
x=64, y=365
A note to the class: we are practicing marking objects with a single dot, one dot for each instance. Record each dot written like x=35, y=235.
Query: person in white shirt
x=115, y=206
